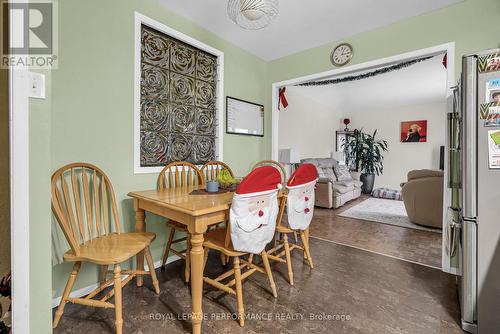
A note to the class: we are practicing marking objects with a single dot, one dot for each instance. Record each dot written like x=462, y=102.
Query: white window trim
x=139, y=20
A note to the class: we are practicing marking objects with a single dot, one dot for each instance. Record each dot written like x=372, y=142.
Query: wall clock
x=341, y=55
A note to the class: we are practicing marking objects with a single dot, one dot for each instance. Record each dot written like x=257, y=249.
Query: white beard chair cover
x=252, y=220
x=300, y=209
x=300, y=205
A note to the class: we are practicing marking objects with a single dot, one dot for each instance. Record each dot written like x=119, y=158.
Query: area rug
x=385, y=211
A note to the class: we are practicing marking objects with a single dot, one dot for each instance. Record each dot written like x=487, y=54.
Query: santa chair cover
x=300, y=202
x=254, y=209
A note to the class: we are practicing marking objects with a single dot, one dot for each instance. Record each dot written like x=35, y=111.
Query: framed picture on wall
x=244, y=117
x=414, y=131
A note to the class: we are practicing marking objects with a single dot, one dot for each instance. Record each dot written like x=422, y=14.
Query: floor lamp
x=289, y=157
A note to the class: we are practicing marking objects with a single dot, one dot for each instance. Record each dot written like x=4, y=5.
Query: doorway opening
x=403, y=101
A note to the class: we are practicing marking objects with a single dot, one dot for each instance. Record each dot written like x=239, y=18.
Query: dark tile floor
x=372, y=294
x=404, y=243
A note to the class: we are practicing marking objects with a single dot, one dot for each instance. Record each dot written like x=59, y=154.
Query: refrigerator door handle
x=452, y=233
x=469, y=271
x=469, y=138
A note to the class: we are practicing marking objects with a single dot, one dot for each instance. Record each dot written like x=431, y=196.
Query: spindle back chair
x=212, y=169
x=84, y=205
x=220, y=240
x=284, y=256
x=284, y=179
x=179, y=174
x=276, y=165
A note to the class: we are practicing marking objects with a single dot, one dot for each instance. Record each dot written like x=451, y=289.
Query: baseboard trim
x=370, y=251
x=88, y=289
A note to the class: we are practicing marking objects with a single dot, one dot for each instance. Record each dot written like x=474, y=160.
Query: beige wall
x=4, y=174
x=403, y=157
x=307, y=126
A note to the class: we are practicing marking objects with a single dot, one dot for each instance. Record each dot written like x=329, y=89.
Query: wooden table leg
x=140, y=226
x=197, y=255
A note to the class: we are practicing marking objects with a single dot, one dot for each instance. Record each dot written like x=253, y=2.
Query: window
x=179, y=99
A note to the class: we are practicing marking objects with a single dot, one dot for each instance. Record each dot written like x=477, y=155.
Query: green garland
x=366, y=75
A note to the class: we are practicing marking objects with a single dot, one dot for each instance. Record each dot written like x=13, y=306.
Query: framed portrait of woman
x=414, y=131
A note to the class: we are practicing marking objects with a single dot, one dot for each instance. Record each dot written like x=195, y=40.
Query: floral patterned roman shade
x=178, y=117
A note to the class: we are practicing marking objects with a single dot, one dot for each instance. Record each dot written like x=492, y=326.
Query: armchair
x=423, y=197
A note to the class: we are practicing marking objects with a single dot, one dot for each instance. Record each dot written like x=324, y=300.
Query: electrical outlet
x=37, y=85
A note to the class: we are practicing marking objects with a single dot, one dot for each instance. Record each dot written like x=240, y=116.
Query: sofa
x=423, y=197
x=330, y=192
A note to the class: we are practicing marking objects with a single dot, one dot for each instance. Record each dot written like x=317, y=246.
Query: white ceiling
x=303, y=24
x=421, y=83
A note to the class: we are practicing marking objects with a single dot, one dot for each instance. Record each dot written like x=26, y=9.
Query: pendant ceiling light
x=252, y=14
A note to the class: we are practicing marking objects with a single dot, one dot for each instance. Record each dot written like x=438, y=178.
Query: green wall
x=90, y=115
x=93, y=99
x=40, y=213
x=472, y=24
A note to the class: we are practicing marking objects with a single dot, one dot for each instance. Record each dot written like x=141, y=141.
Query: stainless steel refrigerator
x=472, y=233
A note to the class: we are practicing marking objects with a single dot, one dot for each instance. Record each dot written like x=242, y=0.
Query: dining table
x=194, y=208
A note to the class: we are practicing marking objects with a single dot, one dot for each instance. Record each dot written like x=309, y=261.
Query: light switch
x=37, y=85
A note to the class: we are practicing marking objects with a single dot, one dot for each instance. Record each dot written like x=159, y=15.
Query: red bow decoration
x=282, y=98
x=445, y=60
x=306, y=198
x=261, y=213
x=306, y=210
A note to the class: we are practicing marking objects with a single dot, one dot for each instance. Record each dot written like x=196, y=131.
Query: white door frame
x=19, y=191
x=447, y=47
x=450, y=70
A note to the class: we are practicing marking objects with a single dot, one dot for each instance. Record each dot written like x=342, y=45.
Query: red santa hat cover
x=304, y=174
x=260, y=179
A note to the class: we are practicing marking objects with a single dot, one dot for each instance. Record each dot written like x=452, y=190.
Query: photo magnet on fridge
x=493, y=90
x=490, y=113
x=494, y=149
x=489, y=63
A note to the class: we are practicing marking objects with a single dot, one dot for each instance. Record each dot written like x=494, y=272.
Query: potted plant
x=364, y=154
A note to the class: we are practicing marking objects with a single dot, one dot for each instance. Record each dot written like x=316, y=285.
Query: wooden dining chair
x=220, y=240
x=84, y=204
x=179, y=174
x=282, y=249
x=212, y=169
x=284, y=179
x=276, y=165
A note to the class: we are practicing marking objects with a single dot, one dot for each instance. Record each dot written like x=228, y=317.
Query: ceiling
x=420, y=83
x=302, y=24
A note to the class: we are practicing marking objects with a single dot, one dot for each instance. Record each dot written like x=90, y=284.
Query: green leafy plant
x=364, y=152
